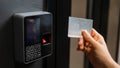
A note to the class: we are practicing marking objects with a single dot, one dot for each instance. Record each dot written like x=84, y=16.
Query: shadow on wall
x=6, y=44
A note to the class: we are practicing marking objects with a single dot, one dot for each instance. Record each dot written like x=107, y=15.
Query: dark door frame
x=98, y=11
x=118, y=41
x=61, y=10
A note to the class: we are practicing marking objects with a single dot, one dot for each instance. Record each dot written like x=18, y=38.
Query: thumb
x=88, y=38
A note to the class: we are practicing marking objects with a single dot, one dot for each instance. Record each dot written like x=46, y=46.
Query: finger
x=88, y=38
x=81, y=44
x=97, y=36
x=87, y=49
x=87, y=44
x=94, y=34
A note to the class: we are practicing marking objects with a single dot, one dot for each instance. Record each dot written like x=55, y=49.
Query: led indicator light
x=43, y=41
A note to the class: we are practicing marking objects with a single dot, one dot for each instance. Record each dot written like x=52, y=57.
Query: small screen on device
x=32, y=30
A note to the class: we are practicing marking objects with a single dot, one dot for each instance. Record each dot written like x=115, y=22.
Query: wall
x=7, y=9
x=113, y=27
x=77, y=57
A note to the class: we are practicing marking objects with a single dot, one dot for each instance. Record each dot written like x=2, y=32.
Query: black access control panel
x=33, y=36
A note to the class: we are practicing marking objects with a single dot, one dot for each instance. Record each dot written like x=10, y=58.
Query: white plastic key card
x=76, y=25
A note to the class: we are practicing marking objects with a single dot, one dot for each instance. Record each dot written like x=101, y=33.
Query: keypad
x=33, y=52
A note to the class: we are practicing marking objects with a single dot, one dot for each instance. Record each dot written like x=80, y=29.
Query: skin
x=96, y=50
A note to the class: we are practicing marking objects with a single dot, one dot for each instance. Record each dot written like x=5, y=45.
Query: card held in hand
x=76, y=25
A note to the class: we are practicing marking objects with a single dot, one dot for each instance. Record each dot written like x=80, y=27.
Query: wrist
x=112, y=64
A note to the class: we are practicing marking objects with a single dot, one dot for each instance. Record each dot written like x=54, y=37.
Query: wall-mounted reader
x=33, y=36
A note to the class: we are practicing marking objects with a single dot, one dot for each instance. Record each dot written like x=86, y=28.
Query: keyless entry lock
x=33, y=36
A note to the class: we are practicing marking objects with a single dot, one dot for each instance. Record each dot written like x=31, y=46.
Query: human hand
x=96, y=50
